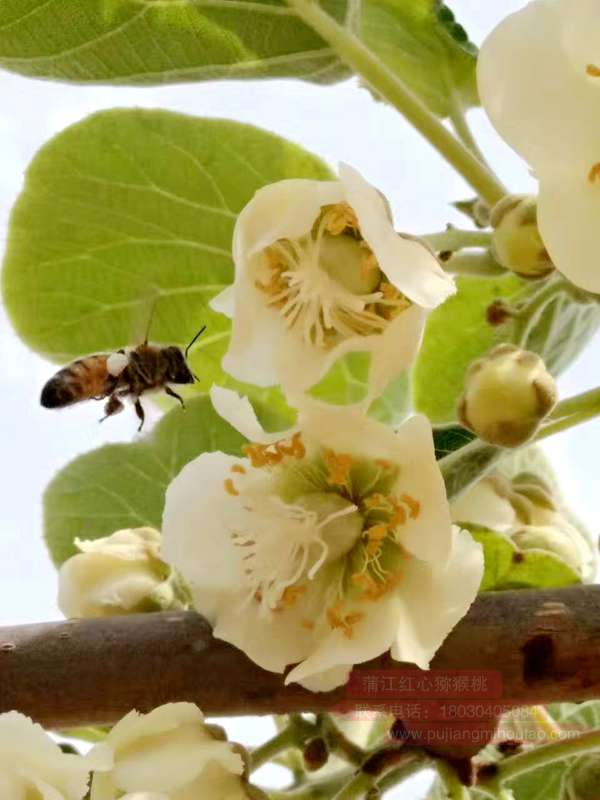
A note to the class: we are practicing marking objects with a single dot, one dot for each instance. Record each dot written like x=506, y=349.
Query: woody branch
x=545, y=644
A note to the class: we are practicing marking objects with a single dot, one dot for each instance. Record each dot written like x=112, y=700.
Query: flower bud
x=516, y=241
x=118, y=574
x=507, y=395
x=562, y=540
x=316, y=754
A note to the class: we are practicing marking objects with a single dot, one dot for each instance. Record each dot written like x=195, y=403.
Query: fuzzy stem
x=385, y=83
x=539, y=757
x=454, y=239
x=294, y=735
x=571, y=412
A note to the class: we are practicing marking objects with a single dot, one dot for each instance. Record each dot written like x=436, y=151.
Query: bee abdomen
x=81, y=380
x=59, y=392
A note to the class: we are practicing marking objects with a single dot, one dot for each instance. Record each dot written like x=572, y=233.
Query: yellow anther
x=339, y=218
x=307, y=624
x=230, y=488
x=384, y=463
x=375, y=501
x=388, y=291
x=594, y=173
x=414, y=507
x=377, y=532
x=593, y=70
x=294, y=448
x=239, y=469
x=338, y=468
x=345, y=622
x=256, y=454
x=368, y=264
x=291, y=594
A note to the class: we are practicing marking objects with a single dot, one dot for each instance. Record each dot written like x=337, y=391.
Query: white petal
x=372, y=636
x=283, y=210
x=224, y=302
x=195, y=537
x=482, y=505
x=407, y=263
x=238, y=412
x=435, y=599
x=328, y=680
x=544, y=108
x=568, y=214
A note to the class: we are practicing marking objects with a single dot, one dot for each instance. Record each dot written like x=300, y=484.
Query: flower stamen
x=594, y=173
x=230, y=488
x=338, y=468
x=593, y=70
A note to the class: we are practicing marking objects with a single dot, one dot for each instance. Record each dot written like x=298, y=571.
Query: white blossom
x=324, y=548
x=117, y=574
x=321, y=272
x=33, y=767
x=168, y=754
x=539, y=81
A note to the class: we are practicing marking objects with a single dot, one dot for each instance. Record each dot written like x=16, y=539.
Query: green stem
x=478, y=265
x=453, y=787
x=533, y=307
x=338, y=742
x=458, y=119
x=385, y=83
x=539, y=757
x=453, y=239
x=294, y=735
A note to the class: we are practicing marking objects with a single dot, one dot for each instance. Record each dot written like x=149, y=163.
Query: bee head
x=178, y=371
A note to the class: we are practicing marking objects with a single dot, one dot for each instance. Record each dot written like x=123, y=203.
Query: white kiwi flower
x=539, y=82
x=118, y=574
x=168, y=754
x=321, y=272
x=32, y=765
x=322, y=548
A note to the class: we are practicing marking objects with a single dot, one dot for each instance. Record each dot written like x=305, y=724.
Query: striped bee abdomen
x=83, y=379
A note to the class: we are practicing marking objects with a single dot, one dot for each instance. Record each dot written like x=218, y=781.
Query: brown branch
x=64, y=674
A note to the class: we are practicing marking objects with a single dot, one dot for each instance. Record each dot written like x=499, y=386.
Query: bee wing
x=145, y=315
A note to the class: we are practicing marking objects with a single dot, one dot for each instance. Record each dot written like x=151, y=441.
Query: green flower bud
x=516, y=241
x=562, y=540
x=507, y=395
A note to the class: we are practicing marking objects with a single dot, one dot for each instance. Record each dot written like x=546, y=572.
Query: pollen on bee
x=593, y=70
x=230, y=488
x=594, y=173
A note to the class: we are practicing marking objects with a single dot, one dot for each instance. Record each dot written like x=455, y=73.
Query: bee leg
x=113, y=406
x=139, y=410
x=171, y=393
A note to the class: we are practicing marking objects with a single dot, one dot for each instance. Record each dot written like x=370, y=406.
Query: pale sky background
x=340, y=123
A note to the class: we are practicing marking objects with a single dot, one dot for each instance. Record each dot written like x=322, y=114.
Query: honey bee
x=125, y=373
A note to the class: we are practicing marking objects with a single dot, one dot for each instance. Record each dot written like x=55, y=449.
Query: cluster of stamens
x=286, y=542
x=319, y=306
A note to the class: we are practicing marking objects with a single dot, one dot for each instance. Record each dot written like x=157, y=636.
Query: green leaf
x=457, y=333
x=422, y=43
x=123, y=485
x=129, y=202
x=346, y=382
x=507, y=567
x=163, y=41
